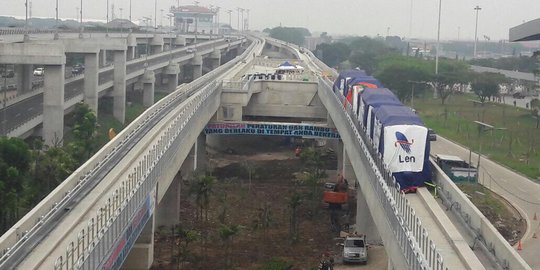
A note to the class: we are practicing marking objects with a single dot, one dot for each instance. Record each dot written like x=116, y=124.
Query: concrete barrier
x=482, y=231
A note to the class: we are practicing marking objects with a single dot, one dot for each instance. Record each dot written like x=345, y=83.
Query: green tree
x=366, y=53
x=53, y=167
x=185, y=238
x=293, y=35
x=227, y=234
x=452, y=75
x=333, y=53
x=295, y=201
x=84, y=133
x=401, y=74
x=202, y=188
x=535, y=109
x=486, y=85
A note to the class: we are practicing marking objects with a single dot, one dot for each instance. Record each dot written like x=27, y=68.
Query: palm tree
x=227, y=234
x=203, y=188
x=294, y=202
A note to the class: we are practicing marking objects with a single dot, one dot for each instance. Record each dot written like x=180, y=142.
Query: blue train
x=393, y=129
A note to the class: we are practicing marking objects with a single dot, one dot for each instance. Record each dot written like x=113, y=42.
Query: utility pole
x=56, y=14
x=155, y=14
x=81, y=12
x=247, y=19
x=477, y=8
x=438, y=40
x=242, y=11
x=26, y=18
x=238, y=23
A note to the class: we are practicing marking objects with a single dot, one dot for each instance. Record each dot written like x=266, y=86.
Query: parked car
x=77, y=69
x=355, y=249
x=39, y=72
x=518, y=95
x=7, y=73
x=432, y=136
x=191, y=50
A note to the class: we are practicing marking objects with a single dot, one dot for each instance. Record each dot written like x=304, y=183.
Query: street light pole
x=26, y=18
x=238, y=23
x=438, y=40
x=230, y=17
x=130, y=10
x=56, y=14
x=477, y=8
x=155, y=14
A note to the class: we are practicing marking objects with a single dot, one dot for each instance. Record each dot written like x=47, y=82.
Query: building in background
x=192, y=19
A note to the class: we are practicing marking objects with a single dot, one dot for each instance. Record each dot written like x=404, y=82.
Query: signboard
x=404, y=148
x=132, y=232
x=271, y=129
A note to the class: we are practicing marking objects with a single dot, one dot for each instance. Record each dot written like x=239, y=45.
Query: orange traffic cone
x=519, y=247
x=535, y=218
x=534, y=235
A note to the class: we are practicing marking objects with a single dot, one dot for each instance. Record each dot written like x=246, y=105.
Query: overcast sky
x=355, y=17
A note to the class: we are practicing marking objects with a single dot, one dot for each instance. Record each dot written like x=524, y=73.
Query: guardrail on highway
x=480, y=229
x=14, y=239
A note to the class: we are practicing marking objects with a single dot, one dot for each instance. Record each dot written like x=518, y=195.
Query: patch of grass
x=483, y=198
x=514, y=143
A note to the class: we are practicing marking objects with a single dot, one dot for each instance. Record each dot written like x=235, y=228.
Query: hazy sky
x=357, y=17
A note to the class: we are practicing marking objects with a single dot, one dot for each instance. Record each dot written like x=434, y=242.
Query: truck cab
x=456, y=168
x=355, y=249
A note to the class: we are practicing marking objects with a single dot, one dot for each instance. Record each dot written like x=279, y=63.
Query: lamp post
x=56, y=9
x=247, y=19
x=230, y=17
x=238, y=23
x=477, y=8
x=26, y=18
x=155, y=14
x=130, y=10
x=438, y=40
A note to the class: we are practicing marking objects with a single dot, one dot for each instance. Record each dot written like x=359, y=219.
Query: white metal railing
x=419, y=250
x=94, y=242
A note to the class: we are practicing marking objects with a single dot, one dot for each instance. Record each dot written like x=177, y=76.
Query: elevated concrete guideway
x=26, y=112
x=527, y=31
x=95, y=208
x=135, y=148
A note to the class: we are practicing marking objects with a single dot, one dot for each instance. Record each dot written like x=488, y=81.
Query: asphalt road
x=22, y=112
x=521, y=191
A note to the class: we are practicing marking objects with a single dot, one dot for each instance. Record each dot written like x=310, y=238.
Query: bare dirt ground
x=234, y=201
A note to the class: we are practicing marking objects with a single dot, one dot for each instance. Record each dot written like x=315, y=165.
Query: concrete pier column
x=148, y=82
x=141, y=255
x=168, y=210
x=156, y=44
x=91, y=75
x=102, y=58
x=131, y=42
x=215, y=59
x=179, y=41
x=364, y=220
x=25, y=76
x=53, y=105
x=197, y=63
x=131, y=52
x=172, y=71
x=119, y=88
x=200, y=153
